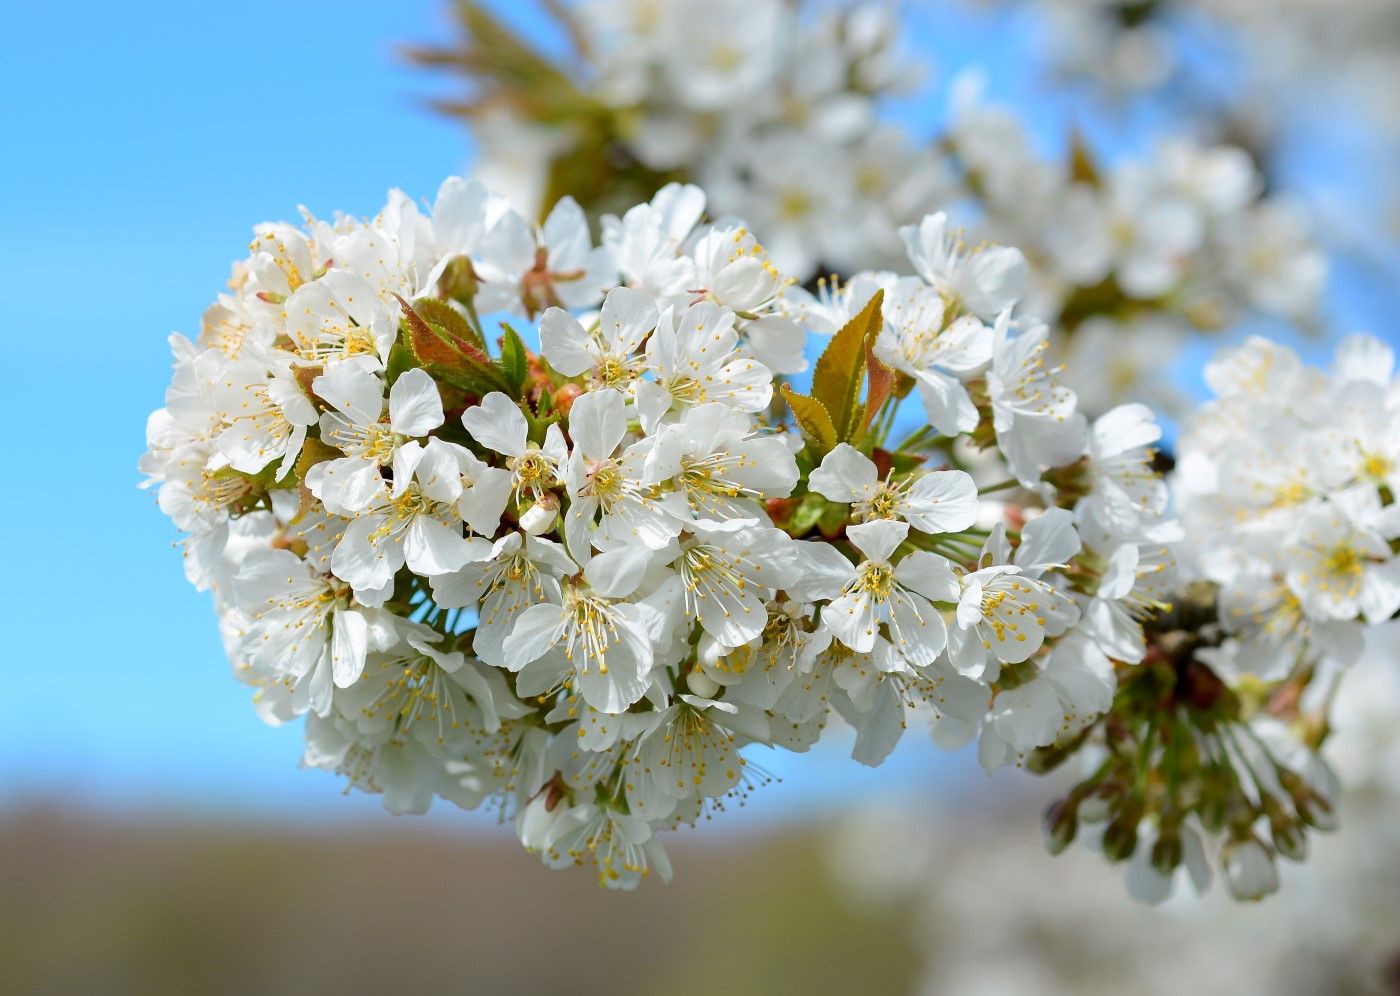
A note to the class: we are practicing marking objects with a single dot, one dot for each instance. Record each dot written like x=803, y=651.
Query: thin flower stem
x=1002, y=486
x=915, y=438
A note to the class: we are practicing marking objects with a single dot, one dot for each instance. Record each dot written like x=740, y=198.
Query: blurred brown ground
x=96, y=903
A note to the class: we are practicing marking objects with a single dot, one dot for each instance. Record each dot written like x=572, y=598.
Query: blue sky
x=145, y=141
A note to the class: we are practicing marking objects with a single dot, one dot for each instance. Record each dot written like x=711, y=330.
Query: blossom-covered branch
x=591, y=583
x=580, y=583
x=780, y=111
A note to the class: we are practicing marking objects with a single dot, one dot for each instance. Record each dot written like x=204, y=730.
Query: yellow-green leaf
x=813, y=417
x=840, y=372
x=1081, y=161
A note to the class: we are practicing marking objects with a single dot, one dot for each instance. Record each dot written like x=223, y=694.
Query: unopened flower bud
x=1249, y=867
x=1120, y=837
x=1167, y=850
x=565, y=397
x=539, y=518
x=1061, y=823
x=458, y=279
x=1313, y=808
x=702, y=684
x=1289, y=839
x=1317, y=812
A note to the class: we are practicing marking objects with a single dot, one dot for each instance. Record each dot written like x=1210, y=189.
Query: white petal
x=1027, y=716
x=536, y=629
x=918, y=630
x=1124, y=428
x=851, y=620
x=878, y=539
x=565, y=343
x=844, y=475
x=627, y=316
x=930, y=575
x=483, y=503
x=354, y=389
x=349, y=644
x=1380, y=591
x=415, y=407
x=597, y=423
x=616, y=573
x=433, y=547
x=946, y=403
x=1049, y=540
x=1120, y=576
x=359, y=561
x=498, y=424
x=944, y=501
x=822, y=571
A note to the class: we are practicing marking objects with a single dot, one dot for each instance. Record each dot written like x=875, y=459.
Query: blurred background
x=155, y=837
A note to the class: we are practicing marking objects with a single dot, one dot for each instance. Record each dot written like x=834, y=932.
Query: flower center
x=878, y=579
x=380, y=442
x=885, y=504
x=1377, y=467
x=612, y=372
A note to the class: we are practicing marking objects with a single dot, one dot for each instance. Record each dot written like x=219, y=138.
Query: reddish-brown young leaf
x=431, y=347
x=879, y=380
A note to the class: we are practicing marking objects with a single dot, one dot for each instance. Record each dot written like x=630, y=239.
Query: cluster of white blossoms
x=1288, y=480
x=1131, y=259
x=776, y=111
x=1277, y=50
x=1285, y=486
x=592, y=585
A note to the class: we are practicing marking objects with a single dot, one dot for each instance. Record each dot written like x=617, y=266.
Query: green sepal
x=906, y=463
x=313, y=451
x=815, y=512
x=305, y=377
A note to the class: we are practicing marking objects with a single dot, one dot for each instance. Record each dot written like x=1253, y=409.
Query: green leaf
x=833, y=519
x=806, y=516
x=815, y=512
x=431, y=345
x=504, y=69
x=400, y=361
x=813, y=417
x=447, y=319
x=840, y=370
x=514, y=360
